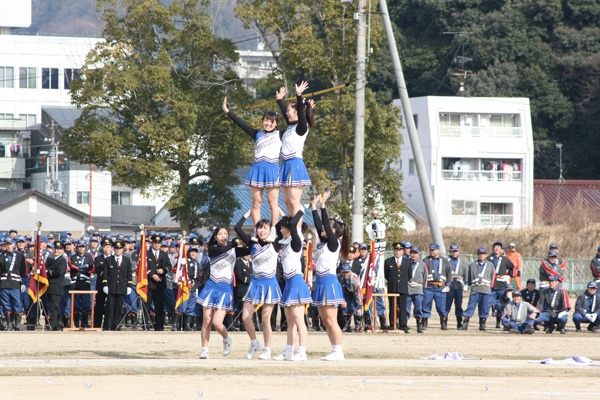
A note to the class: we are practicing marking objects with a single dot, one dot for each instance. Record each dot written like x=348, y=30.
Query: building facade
x=478, y=155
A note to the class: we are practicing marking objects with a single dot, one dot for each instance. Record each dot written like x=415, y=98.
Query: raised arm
x=296, y=239
x=245, y=127
x=317, y=217
x=279, y=95
x=302, y=128
x=332, y=240
x=240, y=232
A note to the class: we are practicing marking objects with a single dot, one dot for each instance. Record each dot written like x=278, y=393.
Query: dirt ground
x=128, y=364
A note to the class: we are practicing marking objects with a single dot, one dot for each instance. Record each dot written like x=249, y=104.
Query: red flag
x=38, y=283
x=308, y=268
x=141, y=271
x=183, y=285
x=369, y=278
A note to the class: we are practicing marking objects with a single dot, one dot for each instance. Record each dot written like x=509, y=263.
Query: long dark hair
x=308, y=110
x=285, y=222
x=213, y=237
x=272, y=115
x=263, y=222
x=341, y=231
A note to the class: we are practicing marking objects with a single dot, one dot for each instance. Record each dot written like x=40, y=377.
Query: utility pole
x=436, y=232
x=359, y=124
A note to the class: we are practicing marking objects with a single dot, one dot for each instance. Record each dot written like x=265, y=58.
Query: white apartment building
x=478, y=154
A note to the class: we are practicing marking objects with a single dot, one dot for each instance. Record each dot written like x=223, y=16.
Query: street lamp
x=559, y=147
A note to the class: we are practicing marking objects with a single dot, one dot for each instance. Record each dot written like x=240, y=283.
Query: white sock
x=255, y=341
x=289, y=348
x=226, y=338
x=266, y=349
x=301, y=349
x=205, y=349
x=336, y=347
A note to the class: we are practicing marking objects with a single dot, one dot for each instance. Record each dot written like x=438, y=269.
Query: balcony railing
x=497, y=220
x=477, y=131
x=506, y=176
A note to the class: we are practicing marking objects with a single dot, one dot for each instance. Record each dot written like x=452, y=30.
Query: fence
x=577, y=272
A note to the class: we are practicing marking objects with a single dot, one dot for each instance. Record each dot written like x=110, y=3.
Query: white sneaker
x=204, y=354
x=265, y=355
x=254, y=348
x=285, y=356
x=227, y=346
x=299, y=357
x=272, y=236
x=334, y=356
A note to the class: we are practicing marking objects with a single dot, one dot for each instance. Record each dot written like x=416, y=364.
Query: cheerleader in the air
x=300, y=119
x=327, y=294
x=296, y=294
x=263, y=290
x=264, y=173
x=217, y=296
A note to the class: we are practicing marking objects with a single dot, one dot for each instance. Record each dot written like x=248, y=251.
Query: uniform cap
x=517, y=293
x=351, y=250
x=173, y=244
x=96, y=233
x=13, y=230
x=119, y=244
x=414, y=249
x=552, y=253
x=20, y=238
x=179, y=236
x=453, y=247
x=107, y=241
x=407, y=245
x=8, y=239
x=67, y=240
x=28, y=237
x=81, y=242
x=509, y=287
x=554, y=246
x=44, y=239
x=207, y=238
x=434, y=246
x=93, y=239
x=592, y=284
x=363, y=246
x=398, y=246
x=50, y=236
x=482, y=250
x=531, y=280
x=552, y=278
x=512, y=245
x=59, y=245
x=132, y=239
x=195, y=241
x=598, y=248
x=498, y=244
x=156, y=239
x=346, y=267
x=164, y=243
x=193, y=249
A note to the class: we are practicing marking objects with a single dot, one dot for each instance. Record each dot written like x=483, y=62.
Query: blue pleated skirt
x=216, y=295
x=263, y=174
x=296, y=292
x=263, y=290
x=293, y=173
x=327, y=291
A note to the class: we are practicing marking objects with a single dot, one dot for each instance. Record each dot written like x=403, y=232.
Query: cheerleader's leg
x=267, y=310
x=273, y=199
x=247, y=313
x=257, y=195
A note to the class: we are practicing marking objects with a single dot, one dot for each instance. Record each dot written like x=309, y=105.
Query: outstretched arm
x=332, y=240
x=240, y=232
x=279, y=95
x=245, y=127
x=302, y=124
x=296, y=239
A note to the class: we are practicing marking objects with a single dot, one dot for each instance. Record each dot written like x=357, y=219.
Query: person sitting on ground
x=587, y=308
x=556, y=306
x=518, y=315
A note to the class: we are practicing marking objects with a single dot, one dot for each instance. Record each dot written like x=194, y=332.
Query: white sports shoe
x=265, y=355
x=299, y=357
x=227, y=346
x=285, y=356
x=204, y=354
x=254, y=348
x=272, y=236
x=334, y=356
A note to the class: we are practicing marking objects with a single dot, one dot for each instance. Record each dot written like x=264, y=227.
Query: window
x=449, y=119
x=7, y=116
x=7, y=77
x=505, y=121
x=27, y=78
x=416, y=119
x=70, y=76
x=49, y=78
x=121, y=198
x=464, y=207
x=30, y=119
x=496, y=208
x=411, y=167
x=400, y=165
x=83, y=197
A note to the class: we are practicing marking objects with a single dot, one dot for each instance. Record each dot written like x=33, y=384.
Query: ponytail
x=310, y=115
x=341, y=231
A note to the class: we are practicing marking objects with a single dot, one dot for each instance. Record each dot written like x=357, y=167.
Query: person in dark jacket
x=56, y=273
x=118, y=282
x=398, y=272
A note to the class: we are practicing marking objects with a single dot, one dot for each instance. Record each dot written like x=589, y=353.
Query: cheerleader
x=216, y=297
x=327, y=293
x=296, y=293
x=263, y=289
x=293, y=175
x=264, y=173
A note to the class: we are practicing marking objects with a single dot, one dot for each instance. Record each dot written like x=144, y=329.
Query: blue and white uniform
x=265, y=169
x=218, y=290
x=263, y=287
x=296, y=290
x=327, y=290
x=293, y=171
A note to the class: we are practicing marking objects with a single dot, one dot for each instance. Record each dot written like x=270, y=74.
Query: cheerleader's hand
x=312, y=103
x=281, y=213
x=324, y=198
x=316, y=199
x=280, y=94
x=300, y=89
x=247, y=214
x=224, y=106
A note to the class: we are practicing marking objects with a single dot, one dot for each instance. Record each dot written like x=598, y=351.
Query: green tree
x=315, y=40
x=150, y=96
